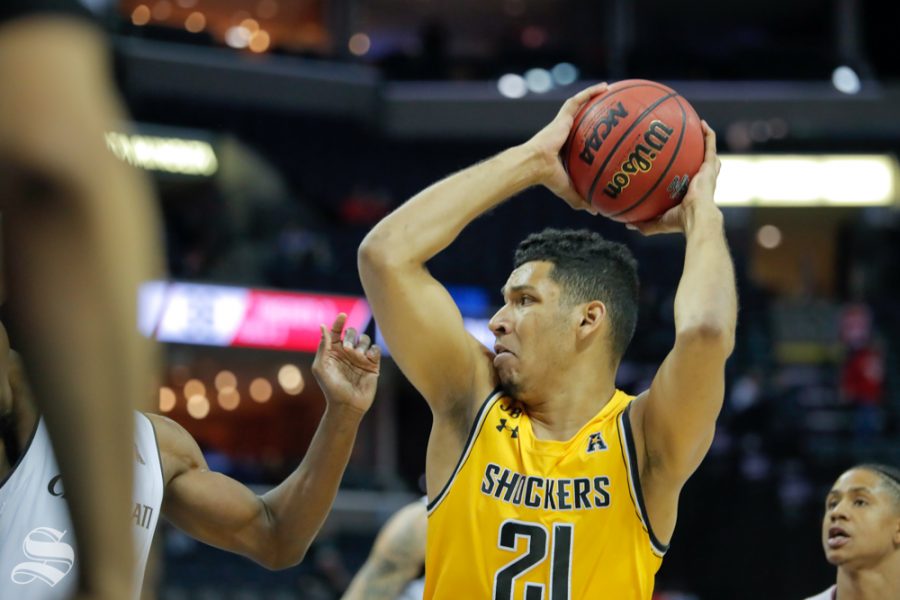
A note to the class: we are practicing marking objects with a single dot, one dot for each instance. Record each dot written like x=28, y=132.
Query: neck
x=558, y=411
x=871, y=583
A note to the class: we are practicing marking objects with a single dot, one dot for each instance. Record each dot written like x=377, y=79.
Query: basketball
x=633, y=150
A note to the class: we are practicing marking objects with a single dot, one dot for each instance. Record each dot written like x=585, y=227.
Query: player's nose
x=499, y=324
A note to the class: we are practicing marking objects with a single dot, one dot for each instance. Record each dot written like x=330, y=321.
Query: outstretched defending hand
x=548, y=142
x=699, y=195
x=346, y=366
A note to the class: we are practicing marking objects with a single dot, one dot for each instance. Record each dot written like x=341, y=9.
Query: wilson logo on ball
x=641, y=158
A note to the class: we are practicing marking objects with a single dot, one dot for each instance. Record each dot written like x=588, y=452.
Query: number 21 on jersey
x=536, y=541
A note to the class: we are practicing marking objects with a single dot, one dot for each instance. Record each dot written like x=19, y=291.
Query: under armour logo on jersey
x=596, y=443
x=51, y=558
x=513, y=431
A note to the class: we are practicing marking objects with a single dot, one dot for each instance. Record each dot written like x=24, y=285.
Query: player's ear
x=592, y=316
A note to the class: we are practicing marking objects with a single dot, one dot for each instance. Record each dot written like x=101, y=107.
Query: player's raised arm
x=674, y=421
x=421, y=325
x=277, y=528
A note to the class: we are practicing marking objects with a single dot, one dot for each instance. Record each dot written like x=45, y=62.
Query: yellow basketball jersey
x=528, y=519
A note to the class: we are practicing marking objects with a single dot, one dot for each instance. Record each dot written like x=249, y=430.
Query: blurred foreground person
x=37, y=558
x=79, y=237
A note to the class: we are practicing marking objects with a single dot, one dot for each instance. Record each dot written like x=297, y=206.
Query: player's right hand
x=548, y=142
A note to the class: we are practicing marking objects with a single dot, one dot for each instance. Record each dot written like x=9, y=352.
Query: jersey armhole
x=25, y=449
x=162, y=468
x=629, y=455
x=470, y=441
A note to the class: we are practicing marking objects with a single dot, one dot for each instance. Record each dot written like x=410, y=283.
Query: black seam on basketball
x=610, y=95
x=464, y=455
x=611, y=153
x=668, y=166
x=636, y=480
x=574, y=130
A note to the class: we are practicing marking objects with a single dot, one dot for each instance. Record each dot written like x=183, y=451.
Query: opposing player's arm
x=210, y=506
x=276, y=528
x=396, y=558
x=674, y=420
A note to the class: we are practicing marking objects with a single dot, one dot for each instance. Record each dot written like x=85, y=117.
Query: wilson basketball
x=633, y=150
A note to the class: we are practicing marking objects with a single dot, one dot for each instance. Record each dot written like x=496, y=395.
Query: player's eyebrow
x=516, y=288
x=855, y=489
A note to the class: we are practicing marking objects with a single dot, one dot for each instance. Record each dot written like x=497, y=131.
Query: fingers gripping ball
x=633, y=150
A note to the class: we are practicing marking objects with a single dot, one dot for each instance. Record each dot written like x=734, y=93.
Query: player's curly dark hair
x=588, y=267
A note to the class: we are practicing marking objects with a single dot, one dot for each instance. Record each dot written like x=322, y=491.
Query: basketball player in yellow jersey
x=557, y=486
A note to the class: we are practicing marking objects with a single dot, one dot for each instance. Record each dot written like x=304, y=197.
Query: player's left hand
x=347, y=366
x=699, y=195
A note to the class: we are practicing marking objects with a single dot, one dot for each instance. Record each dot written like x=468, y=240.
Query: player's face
x=530, y=329
x=862, y=520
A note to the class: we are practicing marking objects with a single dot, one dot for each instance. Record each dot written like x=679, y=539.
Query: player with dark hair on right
x=861, y=534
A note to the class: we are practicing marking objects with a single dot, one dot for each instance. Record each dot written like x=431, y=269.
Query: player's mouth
x=837, y=537
x=502, y=354
x=501, y=349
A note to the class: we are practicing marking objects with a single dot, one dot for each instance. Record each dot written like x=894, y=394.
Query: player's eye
x=860, y=502
x=525, y=300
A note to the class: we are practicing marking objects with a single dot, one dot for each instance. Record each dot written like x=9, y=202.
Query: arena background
x=279, y=131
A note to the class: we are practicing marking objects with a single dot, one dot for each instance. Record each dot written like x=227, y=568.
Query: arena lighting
x=538, y=81
x=564, y=73
x=218, y=315
x=845, y=80
x=168, y=154
x=512, y=85
x=807, y=180
x=167, y=399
